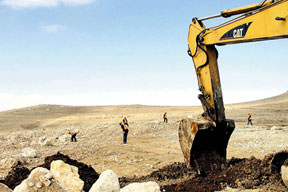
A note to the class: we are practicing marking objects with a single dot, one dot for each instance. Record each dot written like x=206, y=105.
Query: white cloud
x=42, y=3
x=76, y=2
x=29, y=3
x=53, y=28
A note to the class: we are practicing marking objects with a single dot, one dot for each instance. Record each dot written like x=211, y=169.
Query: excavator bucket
x=204, y=143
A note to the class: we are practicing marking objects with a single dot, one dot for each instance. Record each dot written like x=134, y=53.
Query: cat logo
x=237, y=32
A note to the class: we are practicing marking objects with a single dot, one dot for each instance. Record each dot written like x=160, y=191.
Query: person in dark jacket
x=249, y=119
x=124, y=127
x=165, y=117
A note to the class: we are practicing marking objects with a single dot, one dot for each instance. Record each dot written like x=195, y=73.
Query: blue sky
x=106, y=52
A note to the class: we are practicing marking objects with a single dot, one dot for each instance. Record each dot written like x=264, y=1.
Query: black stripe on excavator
x=237, y=32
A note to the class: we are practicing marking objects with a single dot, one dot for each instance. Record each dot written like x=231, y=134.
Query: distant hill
x=50, y=116
x=283, y=98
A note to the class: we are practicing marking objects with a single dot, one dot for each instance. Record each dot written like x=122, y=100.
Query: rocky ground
x=153, y=152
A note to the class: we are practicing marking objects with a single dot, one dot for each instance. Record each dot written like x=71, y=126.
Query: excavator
x=204, y=140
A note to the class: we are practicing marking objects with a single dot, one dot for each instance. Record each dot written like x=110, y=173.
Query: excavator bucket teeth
x=204, y=143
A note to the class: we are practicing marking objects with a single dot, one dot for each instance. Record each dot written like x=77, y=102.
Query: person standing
x=124, y=127
x=165, y=117
x=249, y=119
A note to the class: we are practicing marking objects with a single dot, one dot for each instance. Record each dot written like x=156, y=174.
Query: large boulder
x=29, y=152
x=4, y=188
x=150, y=186
x=107, y=182
x=86, y=172
x=39, y=180
x=284, y=174
x=67, y=176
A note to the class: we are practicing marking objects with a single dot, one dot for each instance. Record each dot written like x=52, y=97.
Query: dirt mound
x=86, y=173
x=174, y=171
x=238, y=173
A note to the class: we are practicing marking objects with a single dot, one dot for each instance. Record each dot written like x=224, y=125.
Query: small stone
x=29, y=152
x=38, y=185
x=48, y=176
x=31, y=184
x=47, y=183
x=63, y=138
x=33, y=143
x=43, y=141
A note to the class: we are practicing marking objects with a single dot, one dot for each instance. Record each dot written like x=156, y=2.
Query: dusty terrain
x=152, y=144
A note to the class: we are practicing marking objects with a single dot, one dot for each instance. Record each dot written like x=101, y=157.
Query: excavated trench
x=237, y=173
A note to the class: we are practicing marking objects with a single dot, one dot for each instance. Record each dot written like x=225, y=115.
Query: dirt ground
x=152, y=145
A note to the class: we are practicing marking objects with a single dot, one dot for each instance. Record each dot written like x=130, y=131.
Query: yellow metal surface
x=270, y=21
x=264, y=26
x=194, y=30
x=205, y=63
x=200, y=59
x=231, y=12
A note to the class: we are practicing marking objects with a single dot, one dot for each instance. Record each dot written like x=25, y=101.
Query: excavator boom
x=206, y=138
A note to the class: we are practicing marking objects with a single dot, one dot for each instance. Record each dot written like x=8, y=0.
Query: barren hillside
x=57, y=115
x=152, y=144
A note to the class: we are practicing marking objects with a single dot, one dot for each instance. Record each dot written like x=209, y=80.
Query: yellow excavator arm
x=268, y=21
x=207, y=139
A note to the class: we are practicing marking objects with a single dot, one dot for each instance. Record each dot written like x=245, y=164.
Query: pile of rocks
x=63, y=177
